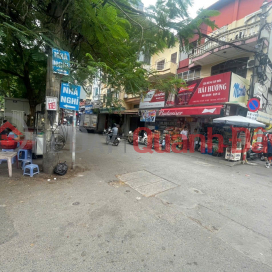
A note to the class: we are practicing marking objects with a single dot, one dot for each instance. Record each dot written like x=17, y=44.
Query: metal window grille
x=160, y=65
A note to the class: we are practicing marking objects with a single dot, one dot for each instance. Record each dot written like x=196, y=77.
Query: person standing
x=196, y=141
x=185, y=141
x=268, y=155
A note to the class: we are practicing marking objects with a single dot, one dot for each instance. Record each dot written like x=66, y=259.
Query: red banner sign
x=153, y=99
x=209, y=90
x=184, y=95
x=189, y=111
x=214, y=89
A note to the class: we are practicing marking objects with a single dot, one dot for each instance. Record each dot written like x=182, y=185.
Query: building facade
x=241, y=44
x=230, y=65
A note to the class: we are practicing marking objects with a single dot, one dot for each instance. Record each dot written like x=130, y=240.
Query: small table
x=9, y=156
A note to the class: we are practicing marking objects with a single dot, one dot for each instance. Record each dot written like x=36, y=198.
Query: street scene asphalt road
x=130, y=211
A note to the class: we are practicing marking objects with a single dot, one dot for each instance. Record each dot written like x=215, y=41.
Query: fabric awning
x=239, y=121
x=188, y=111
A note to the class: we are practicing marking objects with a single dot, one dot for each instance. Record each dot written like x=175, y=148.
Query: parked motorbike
x=109, y=136
x=105, y=131
x=260, y=154
x=161, y=143
x=252, y=155
x=140, y=140
x=130, y=137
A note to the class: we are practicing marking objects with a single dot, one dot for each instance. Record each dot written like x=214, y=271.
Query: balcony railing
x=233, y=35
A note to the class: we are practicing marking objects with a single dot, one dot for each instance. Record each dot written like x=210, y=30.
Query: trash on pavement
x=61, y=169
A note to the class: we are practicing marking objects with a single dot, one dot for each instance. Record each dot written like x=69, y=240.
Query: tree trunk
x=31, y=122
x=50, y=159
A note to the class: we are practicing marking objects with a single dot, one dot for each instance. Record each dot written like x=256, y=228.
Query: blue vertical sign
x=61, y=62
x=69, y=96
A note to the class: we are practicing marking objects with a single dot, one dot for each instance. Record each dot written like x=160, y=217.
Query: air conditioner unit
x=250, y=64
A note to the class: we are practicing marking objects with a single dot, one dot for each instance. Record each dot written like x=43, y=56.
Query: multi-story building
x=115, y=106
x=227, y=67
x=223, y=70
x=164, y=64
x=242, y=37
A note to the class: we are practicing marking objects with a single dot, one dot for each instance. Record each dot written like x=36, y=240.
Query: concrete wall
x=101, y=122
x=165, y=55
x=232, y=13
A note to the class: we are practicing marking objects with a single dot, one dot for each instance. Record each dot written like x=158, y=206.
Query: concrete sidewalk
x=137, y=212
x=88, y=224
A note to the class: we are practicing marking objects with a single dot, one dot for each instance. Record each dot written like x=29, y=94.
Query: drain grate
x=146, y=183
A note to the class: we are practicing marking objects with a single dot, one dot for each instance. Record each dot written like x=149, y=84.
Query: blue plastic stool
x=31, y=168
x=24, y=162
x=24, y=154
x=8, y=150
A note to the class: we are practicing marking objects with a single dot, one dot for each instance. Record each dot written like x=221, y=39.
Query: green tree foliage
x=99, y=34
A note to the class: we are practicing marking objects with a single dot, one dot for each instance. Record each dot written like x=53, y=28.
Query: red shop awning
x=188, y=111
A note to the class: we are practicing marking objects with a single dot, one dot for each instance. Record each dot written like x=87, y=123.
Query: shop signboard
x=61, y=62
x=184, y=94
x=260, y=117
x=238, y=89
x=69, y=96
x=171, y=100
x=148, y=116
x=51, y=103
x=188, y=111
x=264, y=117
x=153, y=99
x=209, y=90
x=214, y=89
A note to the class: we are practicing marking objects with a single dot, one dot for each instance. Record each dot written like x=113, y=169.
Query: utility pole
x=259, y=46
x=74, y=141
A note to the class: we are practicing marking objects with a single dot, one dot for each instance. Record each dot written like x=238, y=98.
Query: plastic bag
x=61, y=169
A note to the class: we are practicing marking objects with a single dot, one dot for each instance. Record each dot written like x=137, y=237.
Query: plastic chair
x=24, y=154
x=24, y=162
x=8, y=150
x=31, y=168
